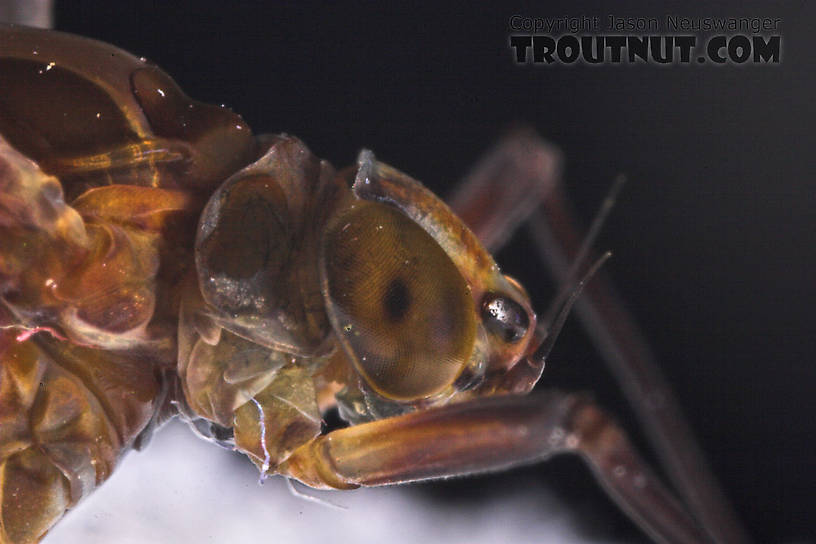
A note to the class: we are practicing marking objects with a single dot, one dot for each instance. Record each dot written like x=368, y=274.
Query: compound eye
x=504, y=318
x=397, y=301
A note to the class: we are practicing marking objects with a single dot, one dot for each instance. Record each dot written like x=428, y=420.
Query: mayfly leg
x=493, y=434
x=518, y=181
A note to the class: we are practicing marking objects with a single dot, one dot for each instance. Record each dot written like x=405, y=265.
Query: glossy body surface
x=102, y=191
x=97, y=274
x=402, y=149
x=710, y=235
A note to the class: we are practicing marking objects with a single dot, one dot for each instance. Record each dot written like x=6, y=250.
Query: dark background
x=712, y=237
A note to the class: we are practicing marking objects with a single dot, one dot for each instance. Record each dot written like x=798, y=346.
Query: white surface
x=181, y=489
x=27, y=12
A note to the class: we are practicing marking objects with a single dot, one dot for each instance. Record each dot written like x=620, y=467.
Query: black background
x=713, y=237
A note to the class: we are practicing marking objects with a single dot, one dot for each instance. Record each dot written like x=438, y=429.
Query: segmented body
x=157, y=257
x=105, y=166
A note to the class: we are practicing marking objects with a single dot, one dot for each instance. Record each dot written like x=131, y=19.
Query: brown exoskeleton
x=157, y=258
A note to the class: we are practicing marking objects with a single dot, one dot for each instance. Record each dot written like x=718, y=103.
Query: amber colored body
x=107, y=167
x=157, y=258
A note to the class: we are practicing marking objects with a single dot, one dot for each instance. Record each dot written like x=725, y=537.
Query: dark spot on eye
x=504, y=317
x=397, y=300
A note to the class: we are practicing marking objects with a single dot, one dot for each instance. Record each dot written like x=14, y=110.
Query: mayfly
x=158, y=259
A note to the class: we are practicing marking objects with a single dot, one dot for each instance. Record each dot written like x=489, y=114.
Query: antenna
x=545, y=347
x=581, y=256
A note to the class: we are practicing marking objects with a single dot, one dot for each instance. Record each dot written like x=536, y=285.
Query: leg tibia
x=489, y=435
